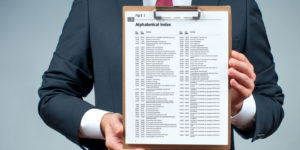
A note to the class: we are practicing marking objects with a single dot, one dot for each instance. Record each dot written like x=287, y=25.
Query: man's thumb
x=118, y=127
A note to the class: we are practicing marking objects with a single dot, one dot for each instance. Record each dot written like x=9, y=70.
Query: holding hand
x=112, y=128
x=242, y=76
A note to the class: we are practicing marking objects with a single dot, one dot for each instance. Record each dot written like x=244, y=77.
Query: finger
x=113, y=145
x=244, y=92
x=239, y=56
x=120, y=117
x=243, y=67
x=117, y=125
x=243, y=58
x=112, y=136
x=241, y=78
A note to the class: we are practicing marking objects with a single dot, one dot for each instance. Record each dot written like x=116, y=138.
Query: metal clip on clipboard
x=193, y=11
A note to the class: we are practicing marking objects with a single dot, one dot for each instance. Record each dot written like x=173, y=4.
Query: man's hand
x=112, y=128
x=242, y=77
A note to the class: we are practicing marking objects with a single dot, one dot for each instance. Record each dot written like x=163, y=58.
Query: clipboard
x=197, y=12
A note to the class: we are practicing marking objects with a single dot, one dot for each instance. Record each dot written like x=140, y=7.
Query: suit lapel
x=122, y=3
x=130, y=3
x=205, y=2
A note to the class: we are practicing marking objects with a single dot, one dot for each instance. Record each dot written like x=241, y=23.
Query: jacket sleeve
x=267, y=93
x=69, y=76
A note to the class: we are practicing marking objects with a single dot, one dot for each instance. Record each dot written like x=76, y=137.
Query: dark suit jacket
x=89, y=53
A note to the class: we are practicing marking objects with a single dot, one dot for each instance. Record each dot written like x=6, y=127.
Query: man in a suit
x=89, y=53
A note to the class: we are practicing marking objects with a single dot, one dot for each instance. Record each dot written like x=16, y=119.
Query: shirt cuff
x=90, y=124
x=245, y=118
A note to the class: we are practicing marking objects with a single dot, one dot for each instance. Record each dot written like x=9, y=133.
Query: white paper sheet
x=176, y=79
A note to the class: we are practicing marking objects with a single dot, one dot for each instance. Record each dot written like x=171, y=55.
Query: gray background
x=29, y=31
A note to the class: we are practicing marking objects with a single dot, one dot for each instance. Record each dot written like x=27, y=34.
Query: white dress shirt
x=90, y=122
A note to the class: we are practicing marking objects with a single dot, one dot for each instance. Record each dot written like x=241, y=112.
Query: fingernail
x=120, y=129
x=231, y=62
x=232, y=82
x=231, y=71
